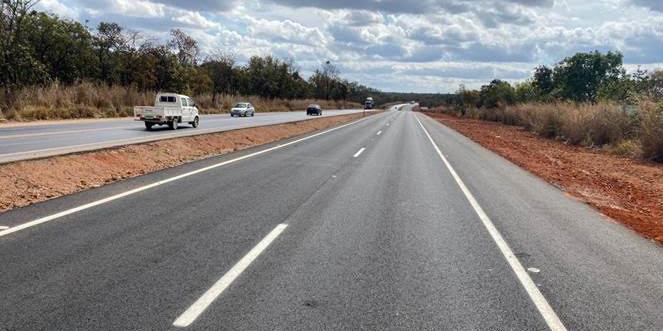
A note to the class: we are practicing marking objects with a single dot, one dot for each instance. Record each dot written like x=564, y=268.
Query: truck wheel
x=173, y=124
x=195, y=122
x=148, y=126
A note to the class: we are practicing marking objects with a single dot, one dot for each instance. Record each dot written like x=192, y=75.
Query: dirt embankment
x=627, y=190
x=27, y=182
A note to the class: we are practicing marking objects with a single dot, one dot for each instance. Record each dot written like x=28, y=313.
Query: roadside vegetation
x=587, y=99
x=53, y=68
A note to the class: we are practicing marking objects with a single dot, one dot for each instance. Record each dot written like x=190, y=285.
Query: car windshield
x=241, y=105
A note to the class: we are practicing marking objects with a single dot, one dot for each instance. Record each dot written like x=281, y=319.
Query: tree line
x=583, y=78
x=38, y=48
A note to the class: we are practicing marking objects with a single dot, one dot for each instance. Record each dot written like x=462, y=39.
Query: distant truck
x=369, y=103
x=169, y=109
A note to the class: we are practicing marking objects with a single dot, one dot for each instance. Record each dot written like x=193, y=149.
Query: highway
x=392, y=222
x=40, y=140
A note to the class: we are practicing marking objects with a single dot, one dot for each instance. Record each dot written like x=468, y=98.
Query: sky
x=426, y=46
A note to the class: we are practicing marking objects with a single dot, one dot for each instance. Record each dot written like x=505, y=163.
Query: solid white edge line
x=359, y=152
x=161, y=182
x=198, y=307
x=546, y=311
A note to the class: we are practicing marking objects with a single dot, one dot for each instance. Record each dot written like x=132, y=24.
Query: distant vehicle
x=242, y=109
x=314, y=110
x=169, y=109
x=369, y=103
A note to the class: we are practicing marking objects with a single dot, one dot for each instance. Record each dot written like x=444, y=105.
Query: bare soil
x=27, y=182
x=625, y=189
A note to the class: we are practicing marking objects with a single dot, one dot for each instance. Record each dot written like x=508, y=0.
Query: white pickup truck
x=169, y=109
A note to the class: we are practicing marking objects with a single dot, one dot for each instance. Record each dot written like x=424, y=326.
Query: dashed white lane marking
x=546, y=311
x=198, y=307
x=534, y=270
x=2, y=227
x=379, y=132
x=161, y=182
x=359, y=152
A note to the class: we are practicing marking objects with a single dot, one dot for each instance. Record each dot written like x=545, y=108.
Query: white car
x=169, y=109
x=242, y=109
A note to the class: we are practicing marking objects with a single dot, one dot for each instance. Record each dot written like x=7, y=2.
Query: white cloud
x=58, y=8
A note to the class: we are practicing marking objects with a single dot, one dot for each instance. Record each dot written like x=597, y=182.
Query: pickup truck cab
x=169, y=109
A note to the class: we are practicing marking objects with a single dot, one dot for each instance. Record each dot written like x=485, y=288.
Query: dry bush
x=594, y=124
x=630, y=148
x=586, y=124
x=90, y=100
x=506, y=115
x=651, y=131
x=543, y=119
x=637, y=131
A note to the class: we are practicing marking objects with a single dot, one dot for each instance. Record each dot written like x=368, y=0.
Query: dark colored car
x=314, y=110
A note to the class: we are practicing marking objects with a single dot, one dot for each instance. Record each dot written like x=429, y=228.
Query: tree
x=543, y=80
x=497, y=93
x=17, y=63
x=63, y=47
x=185, y=47
x=330, y=74
x=579, y=77
x=220, y=69
x=526, y=92
x=109, y=41
x=653, y=86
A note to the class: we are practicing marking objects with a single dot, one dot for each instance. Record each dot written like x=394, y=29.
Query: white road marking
x=534, y=270
x=25, y=135
x=198, y=307
x=379, y=132
x=161, y=182
x=359, y=152
x=2, y=227
x=546, y=311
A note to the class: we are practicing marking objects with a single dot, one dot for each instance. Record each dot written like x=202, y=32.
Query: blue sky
x=394, y=45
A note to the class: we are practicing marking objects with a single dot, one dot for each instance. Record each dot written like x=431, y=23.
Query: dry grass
x=630, y=132
x=88, y=100
x=651, y=131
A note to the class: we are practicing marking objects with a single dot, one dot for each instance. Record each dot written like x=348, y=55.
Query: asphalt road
x=40, y=140
x=362, y=227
